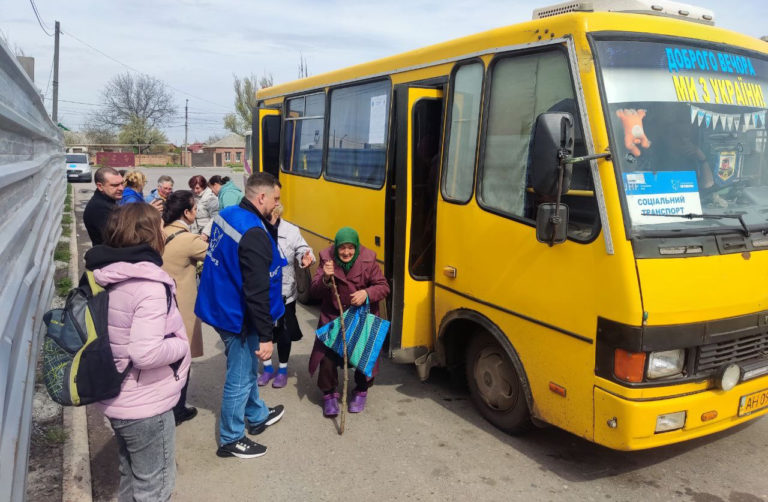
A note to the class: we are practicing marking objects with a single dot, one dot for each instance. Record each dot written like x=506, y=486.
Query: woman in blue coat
x=134, y=184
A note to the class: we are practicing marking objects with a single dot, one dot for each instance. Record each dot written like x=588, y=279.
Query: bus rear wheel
x=495, y=386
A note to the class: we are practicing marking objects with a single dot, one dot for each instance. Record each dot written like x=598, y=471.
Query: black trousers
x=328, y=375
x=286, y=332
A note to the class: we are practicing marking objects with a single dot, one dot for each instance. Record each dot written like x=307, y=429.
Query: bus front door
x=419, y=130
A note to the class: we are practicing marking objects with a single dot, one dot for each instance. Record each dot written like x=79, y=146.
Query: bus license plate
x=753, y=402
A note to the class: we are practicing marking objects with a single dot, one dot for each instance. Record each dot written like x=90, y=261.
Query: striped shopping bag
x=365, y=336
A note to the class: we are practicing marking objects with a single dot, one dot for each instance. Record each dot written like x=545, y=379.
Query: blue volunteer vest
x=220, y=300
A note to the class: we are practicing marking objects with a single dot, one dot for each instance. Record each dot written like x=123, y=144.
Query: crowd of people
x=148, y=250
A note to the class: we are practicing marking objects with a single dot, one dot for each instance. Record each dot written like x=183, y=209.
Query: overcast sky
x=195, y=46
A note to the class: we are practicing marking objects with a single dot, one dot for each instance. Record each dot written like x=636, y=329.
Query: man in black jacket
x=240, y=295
x=109, y=190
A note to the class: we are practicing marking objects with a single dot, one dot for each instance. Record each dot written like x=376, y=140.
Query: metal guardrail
x=32, y=189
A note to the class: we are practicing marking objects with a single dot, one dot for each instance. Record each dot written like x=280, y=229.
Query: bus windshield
x=688, y=127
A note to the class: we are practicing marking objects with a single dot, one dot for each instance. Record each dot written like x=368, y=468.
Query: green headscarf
x=346, y=235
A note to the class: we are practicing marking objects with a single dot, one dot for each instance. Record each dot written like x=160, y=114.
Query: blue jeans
x=146, y=449
x=240, y=400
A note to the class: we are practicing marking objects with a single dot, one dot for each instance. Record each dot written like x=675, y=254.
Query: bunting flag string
x=728, y=121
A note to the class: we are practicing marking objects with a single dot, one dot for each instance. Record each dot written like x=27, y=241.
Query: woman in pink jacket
x=147, y=336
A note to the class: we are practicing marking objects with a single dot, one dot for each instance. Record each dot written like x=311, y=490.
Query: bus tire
x=303, y=281
x=495, y=386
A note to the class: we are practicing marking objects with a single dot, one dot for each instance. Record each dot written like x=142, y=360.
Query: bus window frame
x=565, y=46
x=285, y=118
x=390, y=113
x=593, y=39
x=448, y=129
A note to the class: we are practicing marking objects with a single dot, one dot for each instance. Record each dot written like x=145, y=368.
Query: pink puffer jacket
x=141, y=332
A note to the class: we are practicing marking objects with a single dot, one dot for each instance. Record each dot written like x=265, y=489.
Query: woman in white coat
x=207, y=206
x=295, y=249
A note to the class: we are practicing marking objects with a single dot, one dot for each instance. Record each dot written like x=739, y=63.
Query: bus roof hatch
x=654, y=7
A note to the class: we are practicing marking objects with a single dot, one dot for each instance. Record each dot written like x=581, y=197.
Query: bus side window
x=459, y=170
x=357, y=143
x=304, y=135
x=522, y=88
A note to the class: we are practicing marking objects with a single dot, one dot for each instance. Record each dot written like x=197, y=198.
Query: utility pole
x=55, y=114
x=186, y=127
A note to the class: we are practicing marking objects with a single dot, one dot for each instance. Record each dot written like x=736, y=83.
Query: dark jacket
x=255, y=253
x=364, y=274
x=96, y=214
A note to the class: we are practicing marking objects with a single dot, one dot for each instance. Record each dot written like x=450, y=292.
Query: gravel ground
x=46, y=443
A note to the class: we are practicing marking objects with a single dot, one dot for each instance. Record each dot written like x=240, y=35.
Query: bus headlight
x=665, y=363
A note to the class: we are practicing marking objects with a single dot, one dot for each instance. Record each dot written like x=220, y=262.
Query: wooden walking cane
x=344, y=344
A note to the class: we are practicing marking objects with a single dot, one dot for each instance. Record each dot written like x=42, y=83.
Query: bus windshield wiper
x=707, y=216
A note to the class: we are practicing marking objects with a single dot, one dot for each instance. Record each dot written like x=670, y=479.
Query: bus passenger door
x=266, y=141
x=419, y=130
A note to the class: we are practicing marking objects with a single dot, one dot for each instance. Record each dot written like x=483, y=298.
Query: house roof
x=231, y=141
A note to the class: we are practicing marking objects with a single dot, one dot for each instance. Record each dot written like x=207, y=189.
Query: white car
x=78, y=168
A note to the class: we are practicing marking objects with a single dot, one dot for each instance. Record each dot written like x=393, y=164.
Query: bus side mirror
x=552, y=142
x=551, y=223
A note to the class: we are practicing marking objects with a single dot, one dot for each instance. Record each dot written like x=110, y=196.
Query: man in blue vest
x=240, y=295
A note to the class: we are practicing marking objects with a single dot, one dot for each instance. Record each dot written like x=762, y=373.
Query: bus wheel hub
x=495, y=379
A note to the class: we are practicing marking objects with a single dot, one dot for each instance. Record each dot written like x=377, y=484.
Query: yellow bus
x=572, y=210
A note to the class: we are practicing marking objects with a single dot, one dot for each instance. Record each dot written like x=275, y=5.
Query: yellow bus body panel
x=323, y=207
x=683, y=290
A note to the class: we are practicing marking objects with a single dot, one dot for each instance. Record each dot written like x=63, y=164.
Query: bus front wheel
x=495, y=386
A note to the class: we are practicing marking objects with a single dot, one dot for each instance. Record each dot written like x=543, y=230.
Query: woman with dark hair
x=358, y=279
x=228, y=193
x=183, y=249
x=149, y=342
x=207, y=206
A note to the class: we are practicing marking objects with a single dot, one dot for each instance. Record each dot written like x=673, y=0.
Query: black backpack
x=78, y=366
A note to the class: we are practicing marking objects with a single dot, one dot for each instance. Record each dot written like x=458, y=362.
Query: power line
x=40, y=21
x=77, y=102
x=139, y=71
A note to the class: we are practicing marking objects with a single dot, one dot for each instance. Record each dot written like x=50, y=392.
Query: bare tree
x=303, y=70
x=127, y=99
x=245, y=101
x=17, y=51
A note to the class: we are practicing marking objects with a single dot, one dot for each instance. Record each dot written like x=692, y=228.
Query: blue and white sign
x=661, y=193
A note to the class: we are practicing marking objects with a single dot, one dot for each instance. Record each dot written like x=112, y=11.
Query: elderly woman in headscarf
x=358, y=279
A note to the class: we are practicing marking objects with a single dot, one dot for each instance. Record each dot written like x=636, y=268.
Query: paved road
x=424, y=441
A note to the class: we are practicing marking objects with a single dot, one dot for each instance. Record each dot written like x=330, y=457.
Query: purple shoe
x=265, y=377
x=280, y=380
x=331, y=405
x=358, y=402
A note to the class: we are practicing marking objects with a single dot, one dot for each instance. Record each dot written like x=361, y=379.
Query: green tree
x=99, y=135
x=245, y=101
x=147, y=139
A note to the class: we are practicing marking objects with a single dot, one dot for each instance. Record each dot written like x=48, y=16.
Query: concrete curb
x=76, y=464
